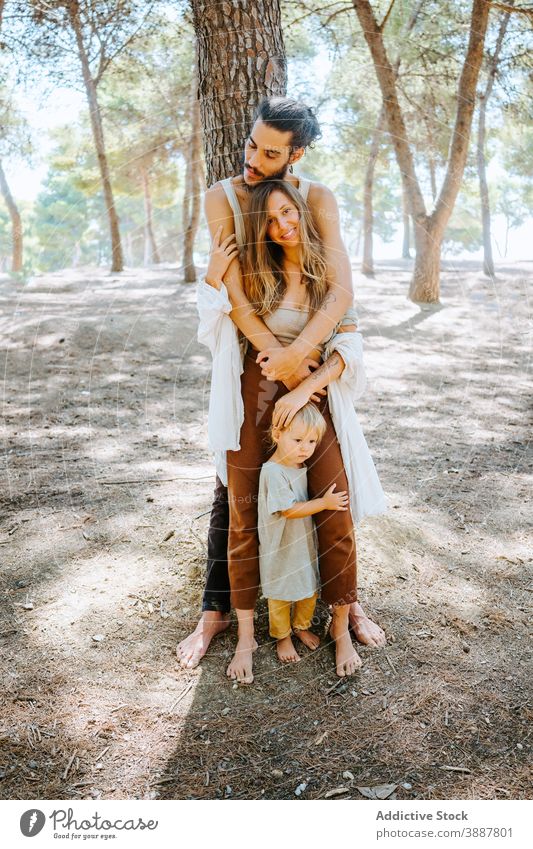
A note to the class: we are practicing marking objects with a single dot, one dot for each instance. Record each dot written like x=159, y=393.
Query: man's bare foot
x=308, y=639
x=365, y=631
x=192, y=649
x=240, y=668
x=286, y=651
x=346, y=658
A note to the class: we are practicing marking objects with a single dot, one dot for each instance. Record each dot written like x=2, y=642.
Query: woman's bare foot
x=240, y=668
x=192, y=649
x=286, y=651
x=365, y=630
x=346, y=658
x=308, y=639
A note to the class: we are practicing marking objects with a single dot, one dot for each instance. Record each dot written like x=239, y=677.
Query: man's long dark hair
x=287, y=115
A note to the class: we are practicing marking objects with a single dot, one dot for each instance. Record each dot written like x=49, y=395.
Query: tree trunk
x=129, y=250
x=367, y=266
x=76, y=254
x=193, y=178
x=151, y=254
x=16, y=223
x=241, y=58
x=433, y=178
x=406, y=244
x=488, y=261
x=428, y=229
x=426, y=273
x=117, y=264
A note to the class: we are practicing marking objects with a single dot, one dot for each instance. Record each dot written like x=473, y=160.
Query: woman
x=284, y=274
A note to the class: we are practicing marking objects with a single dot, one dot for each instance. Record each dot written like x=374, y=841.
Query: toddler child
x=288, y=561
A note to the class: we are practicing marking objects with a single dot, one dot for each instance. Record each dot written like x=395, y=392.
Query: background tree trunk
x=488, y=261
x=406, y=243
x=241, y=58
x=16, y=223
x=428, y=229
x=151, y=253
x=426, y=272
x=191, y=205
x=367, y=266
x=117, y=263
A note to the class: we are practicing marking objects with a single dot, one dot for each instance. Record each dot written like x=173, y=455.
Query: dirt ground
x=106, y=490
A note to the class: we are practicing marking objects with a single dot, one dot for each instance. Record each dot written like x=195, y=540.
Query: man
x=281, y=132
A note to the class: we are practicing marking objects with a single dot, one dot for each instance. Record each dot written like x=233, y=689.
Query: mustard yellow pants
x=279, y=614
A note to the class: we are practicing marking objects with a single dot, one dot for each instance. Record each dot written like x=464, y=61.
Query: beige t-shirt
x=288, y=561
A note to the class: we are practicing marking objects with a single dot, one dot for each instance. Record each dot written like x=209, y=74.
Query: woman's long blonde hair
x=262, y=259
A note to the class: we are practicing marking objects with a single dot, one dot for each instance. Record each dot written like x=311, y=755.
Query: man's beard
x=279, y=175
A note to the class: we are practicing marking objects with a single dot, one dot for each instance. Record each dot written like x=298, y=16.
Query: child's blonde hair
x=310, y=416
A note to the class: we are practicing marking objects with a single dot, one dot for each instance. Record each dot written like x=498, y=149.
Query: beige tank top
x=286, y=323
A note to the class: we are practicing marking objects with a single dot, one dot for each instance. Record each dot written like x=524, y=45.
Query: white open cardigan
x=226, y=409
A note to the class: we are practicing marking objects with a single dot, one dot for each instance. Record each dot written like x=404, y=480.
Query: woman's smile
x=289, y=235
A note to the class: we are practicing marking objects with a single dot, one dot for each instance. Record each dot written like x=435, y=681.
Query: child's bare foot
x=192, y=649
x=240, y=668
x=365, y=630
x=308, y=639
x=286, y=651
x=346, y=658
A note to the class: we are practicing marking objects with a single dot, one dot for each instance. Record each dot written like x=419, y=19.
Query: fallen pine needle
x=181, y=696
x=71, y=761
x=391, y=664
x=456, y=768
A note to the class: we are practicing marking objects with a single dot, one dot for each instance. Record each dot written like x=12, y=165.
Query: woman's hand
x=278, y=363
x=220, y=258
x=286, y=407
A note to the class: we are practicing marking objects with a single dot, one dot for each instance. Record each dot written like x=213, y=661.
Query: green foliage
x=144, y=89
x=66, y=232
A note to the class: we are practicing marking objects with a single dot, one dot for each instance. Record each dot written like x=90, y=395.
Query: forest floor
x=106, y=489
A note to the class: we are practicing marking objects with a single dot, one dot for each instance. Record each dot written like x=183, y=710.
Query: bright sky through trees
x=47, y=107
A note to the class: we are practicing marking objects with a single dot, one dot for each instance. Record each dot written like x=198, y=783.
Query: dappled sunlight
x=111, y=482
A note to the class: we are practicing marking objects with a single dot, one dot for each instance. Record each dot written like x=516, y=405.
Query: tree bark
x=433, y=177
x=368, y=217
x=406, y=243
x=117, y=263
x=429, y=229
x=191, y=201
x=151, y=253
x=426, y=273
x=241, y=58
x=488, y=261
x=16, y=223
x=367, y=266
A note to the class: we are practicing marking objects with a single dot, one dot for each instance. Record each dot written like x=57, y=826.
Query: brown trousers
x=336, y=537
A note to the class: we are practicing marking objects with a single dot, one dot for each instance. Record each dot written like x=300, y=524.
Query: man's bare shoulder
x=320, y=195
x=215, y=191
x=216, y=201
